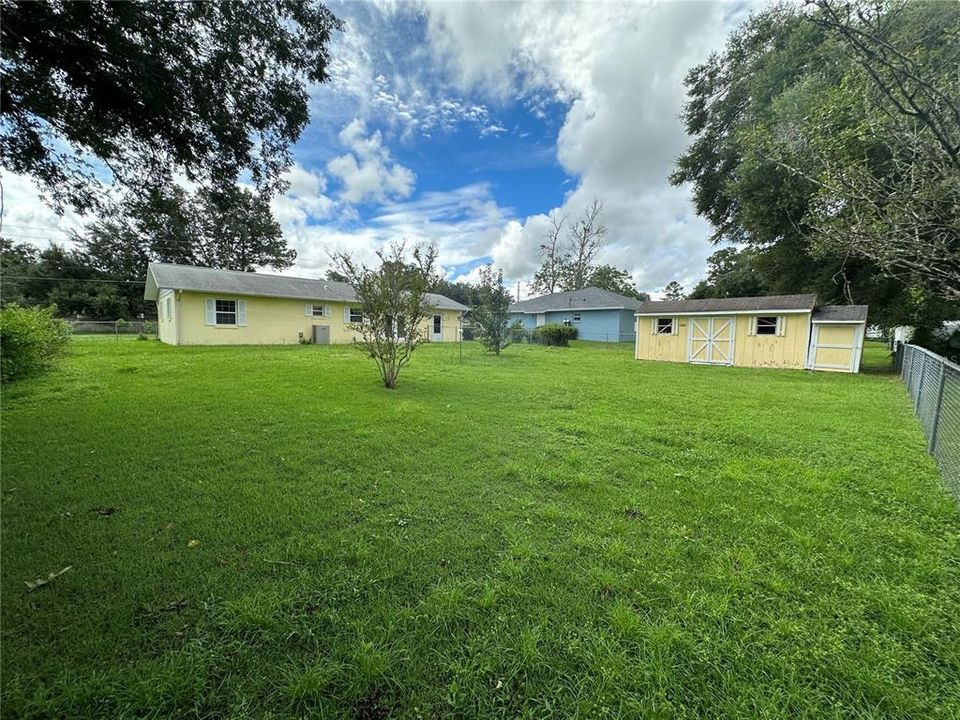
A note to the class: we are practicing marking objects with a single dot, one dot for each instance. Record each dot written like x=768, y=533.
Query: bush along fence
x=934, y=386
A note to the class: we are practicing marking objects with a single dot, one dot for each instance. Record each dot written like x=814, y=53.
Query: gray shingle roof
x=201, y=279
x=742, y=304
x=838, y=313
x=590, y=298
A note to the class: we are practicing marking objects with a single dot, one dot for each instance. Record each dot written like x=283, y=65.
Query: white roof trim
x=839, y=322
x=717, y=313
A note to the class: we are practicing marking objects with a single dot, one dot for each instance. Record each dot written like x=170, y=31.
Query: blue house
x=598, y=315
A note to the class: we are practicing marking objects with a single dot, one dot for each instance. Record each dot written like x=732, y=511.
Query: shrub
x=517, y=333
x=559, y=335
x=30, y=340
x=147, y=330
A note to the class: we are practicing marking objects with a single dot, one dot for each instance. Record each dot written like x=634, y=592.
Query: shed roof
x=841, y=313
x=212, y=280
x=589, y=298
x=740, y=304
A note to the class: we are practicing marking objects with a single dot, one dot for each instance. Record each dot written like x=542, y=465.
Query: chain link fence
x=934, y=386
x=113, y=327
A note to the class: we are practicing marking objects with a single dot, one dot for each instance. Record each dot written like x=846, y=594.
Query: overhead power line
x=37, y=227
x=67, y=279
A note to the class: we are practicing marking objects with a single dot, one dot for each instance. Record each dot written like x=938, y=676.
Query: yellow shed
x=782, y=331
x=205, y=306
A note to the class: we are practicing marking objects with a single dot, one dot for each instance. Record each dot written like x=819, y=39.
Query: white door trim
x=857, y=350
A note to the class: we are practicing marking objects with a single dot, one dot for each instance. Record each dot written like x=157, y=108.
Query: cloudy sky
x=464, y=124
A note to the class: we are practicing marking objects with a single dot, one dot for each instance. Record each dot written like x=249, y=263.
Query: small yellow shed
x=782, y=331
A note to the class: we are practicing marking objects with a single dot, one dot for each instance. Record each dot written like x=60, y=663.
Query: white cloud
x=619, y=69
x=379, y=81
x=304, y=200
x=367, y=172
x=27, y=219
x=463, y=223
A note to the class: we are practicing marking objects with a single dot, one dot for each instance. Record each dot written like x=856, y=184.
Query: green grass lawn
x=267, y=532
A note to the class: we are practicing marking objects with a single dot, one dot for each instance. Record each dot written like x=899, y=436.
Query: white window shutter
x=781, y=326
x=307, y=310
x=346, y=314
x=653, y=326
x=241, y=312
x=326, y=311
x=675, y=326
x=752, y=325
x=211, y=305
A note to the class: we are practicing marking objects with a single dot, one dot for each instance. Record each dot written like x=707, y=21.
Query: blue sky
x=465, y=124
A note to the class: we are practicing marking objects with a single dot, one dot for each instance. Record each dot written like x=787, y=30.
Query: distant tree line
x=101, y=276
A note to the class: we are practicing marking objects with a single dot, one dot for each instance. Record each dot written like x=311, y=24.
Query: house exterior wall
x=271, y=321
x=788, y=350
x=668, y=348
x=167, y=317
x=529, y=322
x=594, y=325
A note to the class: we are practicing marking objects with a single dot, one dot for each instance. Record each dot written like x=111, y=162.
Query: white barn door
x=710, y=340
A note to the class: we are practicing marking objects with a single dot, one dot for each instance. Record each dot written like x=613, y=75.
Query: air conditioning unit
x=321, y=335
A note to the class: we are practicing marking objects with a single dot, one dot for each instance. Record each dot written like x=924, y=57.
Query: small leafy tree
x=395, y=303
x=490, y=314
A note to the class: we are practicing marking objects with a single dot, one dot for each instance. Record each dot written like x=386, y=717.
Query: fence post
x=923, y=372
x=937, y=408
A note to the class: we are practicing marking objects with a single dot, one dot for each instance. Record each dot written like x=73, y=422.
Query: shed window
x=226, y=312
x=356, y=315
x=318, y=311
x=768, y=325
x=664, y=326
x=576, y=317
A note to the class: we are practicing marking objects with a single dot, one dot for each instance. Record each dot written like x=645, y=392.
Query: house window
x=226, y=312
x=576, y=317
x=356, y=316
x=767, y=325
x=436, y=324
x=664, y=326
x=316, y=310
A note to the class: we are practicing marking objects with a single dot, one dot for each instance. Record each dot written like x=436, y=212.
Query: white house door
x=711, y=340
x=437, y=329
x=541, y=319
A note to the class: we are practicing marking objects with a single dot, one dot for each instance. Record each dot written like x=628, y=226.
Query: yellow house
x=782, y=331
x=204, y=306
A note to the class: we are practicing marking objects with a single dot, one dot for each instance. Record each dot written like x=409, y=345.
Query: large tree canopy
x=142, y=90
x=822, y=141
